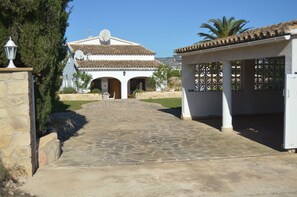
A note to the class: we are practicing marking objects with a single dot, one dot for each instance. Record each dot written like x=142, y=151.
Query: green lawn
x=166, y=102
x=63, y=106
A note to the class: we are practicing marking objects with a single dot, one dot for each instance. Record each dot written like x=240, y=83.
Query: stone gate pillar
x=17, y=120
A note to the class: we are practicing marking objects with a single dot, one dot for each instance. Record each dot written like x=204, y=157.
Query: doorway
x=114, y=88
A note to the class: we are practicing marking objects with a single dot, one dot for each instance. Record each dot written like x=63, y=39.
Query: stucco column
x=227, y=97
x=294, y=56
x=188, y=86
x=124, y=89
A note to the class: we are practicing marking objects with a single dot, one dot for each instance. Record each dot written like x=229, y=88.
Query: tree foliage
x=38, y=28
x=221, y=28
x=82, y=80
x=161, y=76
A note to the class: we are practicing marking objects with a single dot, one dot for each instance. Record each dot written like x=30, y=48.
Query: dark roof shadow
x=266, y=129
x=173, y=111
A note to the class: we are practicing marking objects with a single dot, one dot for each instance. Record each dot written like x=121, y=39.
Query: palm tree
x=221, y=28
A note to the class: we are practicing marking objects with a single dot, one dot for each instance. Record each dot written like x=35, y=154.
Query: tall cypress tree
x=38, y=29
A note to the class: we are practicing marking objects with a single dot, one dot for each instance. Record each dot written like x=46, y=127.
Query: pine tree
x=38, y=29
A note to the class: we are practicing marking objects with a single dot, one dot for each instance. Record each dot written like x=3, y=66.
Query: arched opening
x=96, y=84
x=107, y=84
x=138, y=83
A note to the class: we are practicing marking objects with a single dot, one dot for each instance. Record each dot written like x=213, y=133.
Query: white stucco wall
x=119, y=74
x=129, y=74
x=294, y=56
x=68, y=72
x=201, y=104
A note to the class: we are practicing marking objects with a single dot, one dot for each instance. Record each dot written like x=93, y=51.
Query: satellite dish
x=79, y=55
x=104, y=36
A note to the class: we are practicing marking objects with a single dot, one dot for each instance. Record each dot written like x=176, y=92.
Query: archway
x=137, y=83
x=96, y=84
x=107, y=84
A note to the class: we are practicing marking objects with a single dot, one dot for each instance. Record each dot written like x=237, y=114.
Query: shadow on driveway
x=64, y=132
x=173, y=111
x=266, y=129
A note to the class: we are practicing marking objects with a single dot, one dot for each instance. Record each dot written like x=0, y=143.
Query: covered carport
x=254, y=72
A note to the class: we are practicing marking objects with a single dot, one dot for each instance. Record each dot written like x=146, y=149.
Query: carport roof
x=271, y=31
x=119, y=64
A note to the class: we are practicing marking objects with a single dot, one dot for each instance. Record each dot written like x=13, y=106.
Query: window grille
x=269, y=73
x=236, y=75
x=209, y=76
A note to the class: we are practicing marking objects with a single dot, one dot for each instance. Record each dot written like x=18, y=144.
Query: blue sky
x=164, y=25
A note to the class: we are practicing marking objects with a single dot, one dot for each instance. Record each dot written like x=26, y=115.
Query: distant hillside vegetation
x=174, y=62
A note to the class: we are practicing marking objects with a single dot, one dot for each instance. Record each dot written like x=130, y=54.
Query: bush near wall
x=68, y=90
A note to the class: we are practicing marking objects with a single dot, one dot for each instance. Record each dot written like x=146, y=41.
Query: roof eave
x=234, y=46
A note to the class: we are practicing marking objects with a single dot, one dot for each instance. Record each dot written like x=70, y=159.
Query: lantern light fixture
x=10, y=51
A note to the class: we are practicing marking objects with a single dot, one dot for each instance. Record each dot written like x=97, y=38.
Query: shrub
x=4, y=175
x=69, y=90
x=137, y=91
x=96, y=90
x=151, y=84
x=82, y=80
x=174, y=83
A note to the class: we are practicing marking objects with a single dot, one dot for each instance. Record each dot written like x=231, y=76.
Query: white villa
x=254, y=72
x=117, y=66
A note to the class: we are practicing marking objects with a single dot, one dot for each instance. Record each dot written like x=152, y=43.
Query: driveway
x=121, y=132
x=132, y=148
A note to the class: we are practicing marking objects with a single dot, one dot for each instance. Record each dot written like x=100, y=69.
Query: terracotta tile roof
x=271, y=31
x=112, y=49
x=120, y=64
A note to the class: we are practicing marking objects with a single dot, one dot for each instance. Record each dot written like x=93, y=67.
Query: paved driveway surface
x=175, y=157
x=133, y=132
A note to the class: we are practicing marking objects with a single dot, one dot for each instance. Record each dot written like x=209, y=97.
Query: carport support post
x=188, y=86
x=294, y=56
x=227, y=97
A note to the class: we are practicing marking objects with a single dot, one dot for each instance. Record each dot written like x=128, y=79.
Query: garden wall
x=155, y=95
x=17, y=121
x=80, y=97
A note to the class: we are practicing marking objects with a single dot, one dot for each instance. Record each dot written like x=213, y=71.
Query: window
x=236, y=75
x=269, y=73
x=209, y=76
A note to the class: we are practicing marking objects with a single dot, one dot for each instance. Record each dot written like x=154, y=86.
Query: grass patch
x=166, y=102
x=64, y=106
